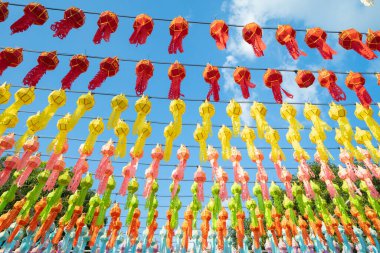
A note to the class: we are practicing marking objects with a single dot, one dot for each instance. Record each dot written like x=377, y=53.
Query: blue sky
x=199, y=48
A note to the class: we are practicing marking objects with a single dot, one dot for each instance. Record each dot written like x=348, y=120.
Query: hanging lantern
x=144, y=71
x=6, y=142
x=207, y=111
x=211, y=75
x=234, y=111
x=143, y=27
x=242, y=77
x=177, y=108
x=225, y=135
x=200, y=136
x=144, y=132
x=252, y=34
x=219, y=32
x=121, y=130
x=176, y=74
x=5, y=93
x=10, y=57
x=258, y=112
x=72, y=18
x=107, y=23
x=355, y=82
x=119, y=104
x=328, y=80
x=248, y=136
x=34, y=14
x=169, y=134
x=286, y=35
x=304, y=78
x=108, y=67
x=46, y=61
x=352, y=39
x=78, y=65
x=179, y=28
x=3, y=11
x=95, y=128
x=273, y=80
x=373, y=40
x=316, y=38
x=142, y=108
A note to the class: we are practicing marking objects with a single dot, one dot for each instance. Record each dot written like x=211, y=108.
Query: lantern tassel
x=22, y=24
x=121, y=146
x=293, y=49
x=99, y=78
x=175, y=89
x=214, y=91
x=276, y=89
x=50, y=183
x=34, y=75
x=168, y=148
x=139, y=36
x=258, y=46
x=61, y=28
x=244, y=88
x=326, y=51
x=3, y=65
x=336, y=92
x=364, y=97
x=68, y=80
x=141, y=84
x=176, y=43
x=363, y=50
x=104, y=32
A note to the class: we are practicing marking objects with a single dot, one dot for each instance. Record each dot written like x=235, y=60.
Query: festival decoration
x=95, y=128
x=8, y=196
x=46, y=61
x=365, y=114
x=142, y=28
x=4, y=11
x=304, y=78
x=5, y=93
x=73, y=18
x=10, y=57
x=218, y=174
x=108, y=23
x=108, y=67
x=225, y=135
x=30, y=146
x=176, y=74
x=121, y=130
x=142, y=108
x=200, y=136
x=240, y=175
x=105, y=168
x=34, y=14
x=200, y=178
x=211, y=76
x=170, y=135
x=78, y=65
x=219, y=32
x=248, y=136
x=183, y=155
x=273, y=80
x=234, y=111
x=119, y=103
x=372, y=40
x=179, y=28
x=252, y=34
x=144, y=71
x=364, y=137
x=242, y=77
x=327, y=79
x=143, y=133
x=207, y=111
x=355, y=82
x=129, y=171
x=177, y=108
x=352, y=39
x=258, y=112
x=33, y=163
x=286, y=35
x=151, y=173
x=6, y=142
x=316, y=38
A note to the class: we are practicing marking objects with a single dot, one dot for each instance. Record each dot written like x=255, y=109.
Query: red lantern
x=108, y=67
x=242, y=76
x=252, y=34
x=78, y=65
x=176, y=74
x=219, y=32
x=316, y=38
x=3, y=11
x=46, y=61
x=304, y=78
x=273, y=80
x=143, y=27
x=72, y=18
x=355, y=82
x=107, y=23
x=178, y=28
x=286, y=35
x=328, y=80
x=373, y=40
x=352, y=39
x=144, y=71
x=211, y=75
x=10, y=57
x=34, y=14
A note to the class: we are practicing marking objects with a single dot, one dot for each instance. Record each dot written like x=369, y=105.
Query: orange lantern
x=242, y=77
x=46, y=61
x=252, y=34
x=108, y=67
x=304, y=78
x=328, y=80
x=144, y=71
x=176, y=74
x=286, y=35
x=219, y=32
x=179, y=28
x=3, y=11
x=316, y=38
x=355, y=82
x=78, y=65
x=211, y=75
x=352, y=39
x=373, y=40
x=34, y=14
x=10, y=57
x=273, y=80
x=107, y=23
x=72, y=18
x=143, y=27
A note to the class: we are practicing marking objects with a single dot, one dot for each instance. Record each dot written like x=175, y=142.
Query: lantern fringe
x=22, y=24
x=34, y=75
x=293, y=49
x=103, y=32
x=277, y=93
x=364, y=50
x=139, y=36
x=336, y=92
x=61, y=28
x=175, y=89
x=176, y=43
x=258, y=46
x=326, y=51
x=141, y=84
x=214, y=91
x=99, y=78
x=3, y=66
x=68, y=80
x=364, y=97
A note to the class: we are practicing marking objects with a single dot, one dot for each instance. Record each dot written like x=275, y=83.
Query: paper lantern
x=72, y=18
x=46, y=61
x=119, y=104
x=5, y=93
x=6, y=142
x=366, y=114
x=234, y=111
x=142, y=108
x=252, y=34
x=121, y=130
x=3, y=11
x=373, y=40
x=78, y=65
x=58, y=167
x=144, y=71
x=316, y=38
x=34, y=14
x=219, y=32
x=176, y=74
x=108, y=23
x=258, y=112
x=352, y=39
x=169, y=134
x=10, y=57
x=177, y=108
x=286, y=35
x=304, y=78
x=242, y=77
x=143, y=27
x=273, y=80
x=207, y=111
x=355, y=82
x=179, y=28
x=108, y=68
x=144, y=132
x=328, y=80
x=225, y=135
x=211, y=75
x=95, y=128
x=11, y=163
x=200, y=136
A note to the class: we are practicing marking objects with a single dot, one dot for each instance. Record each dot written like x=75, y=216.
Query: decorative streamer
x=355, y=82
x=219, y=32
x=252, y=34
x=179, y=28
x=261, y=177
x=286, y=35
x=200, y=136
x=34, y=14
x=176, y=74
x=242, y=76
x=144, y=71
x=273, y=80
x=304, y=78
x=78, y=65
x=316, y=38
x=211, y=75
x=327, y=79
x=352, y=39
x=200, y=178
x=119, y=103
x=46, y=61
x=365, y=114
x=142, y=28
x=72, y=18
x=121, y=130
x=10, y=57
x=224, y=136
x=108, y=67
x=142, y=108
x=108, y=23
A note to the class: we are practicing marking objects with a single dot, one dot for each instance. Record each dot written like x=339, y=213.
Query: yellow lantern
x=121, y=130
x=294, y=137
x=169, y=134
x=234, y=111
x=339, y=114
x=177, y=108
x=289, y=112
x=225, y=135
x=248, y=136
x=119, y=104
x=342, y=140
x=364, y=138
x=258, y=112
x=365, y=114
x=95, y=128
x=85, y=103
x=318, y=138
x=312, y=113
x=142, y=108
x=200, y=136
x=5, y=93
x=63, y=126
x=272, y=137
x=207, y=111
x=144, y=132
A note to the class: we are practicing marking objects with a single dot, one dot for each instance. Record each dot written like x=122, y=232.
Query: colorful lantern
x=240, y=175
x=144, y=71
x=364, y=137
x=177, y=108
x=316, y=38
x=72, y=18
x=107, y=151
x=78, y=65
x=121, y=130
x=5, y=93
x=10, y=57
x=108, y=68
x=327, y=79
x=211, y=75
x=108, y=23
x=142, y=28
x=365, y=114
x=179, y=28
x=234, y=111
x=355, y=82
x=34, y=14
x=258, y=112
x=95, y=128
x=46, y=61
x=11, y=163
x=273, y=80
x=151, y=173
x=7, y=142
x=207, y=111
x=304, y=78
x=143, y=133
x=252, y=34
x=3, y=11
x=225, y=135
x=200, y=179
x=170, y=135
x=58, y=167
x=30, y=146
x=288, y=112
x=142, y=108
x=219, y=32
x=242, y=77
x=248, y=136
x=200, y=136
x=176, y=74
x=352, y=39
x=373, y=40
x=119, y=104
x=183, y=155
x=312, y=113
x=286, y=35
